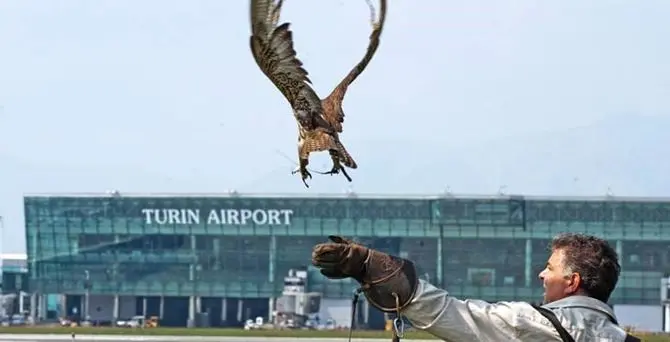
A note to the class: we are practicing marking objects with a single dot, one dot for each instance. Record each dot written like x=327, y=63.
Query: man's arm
x=451, y=319
x=390, y=283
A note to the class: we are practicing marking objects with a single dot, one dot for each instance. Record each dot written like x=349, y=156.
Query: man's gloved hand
x=388, y=282
x=340, y=258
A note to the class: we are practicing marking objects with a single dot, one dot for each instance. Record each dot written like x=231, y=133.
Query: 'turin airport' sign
x=218, y=217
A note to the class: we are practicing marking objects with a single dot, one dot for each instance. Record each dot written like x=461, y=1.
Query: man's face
x=558, y=284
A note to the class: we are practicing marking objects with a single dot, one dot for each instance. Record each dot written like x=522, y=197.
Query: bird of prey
x=319, y=120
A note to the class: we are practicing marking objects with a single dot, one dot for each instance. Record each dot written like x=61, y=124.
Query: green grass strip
x=162, y=331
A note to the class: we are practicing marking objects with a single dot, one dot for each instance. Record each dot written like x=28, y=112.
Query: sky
x=565, y=97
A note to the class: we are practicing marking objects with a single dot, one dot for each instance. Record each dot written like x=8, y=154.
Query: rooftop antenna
x=114, y=193
x=501, y=190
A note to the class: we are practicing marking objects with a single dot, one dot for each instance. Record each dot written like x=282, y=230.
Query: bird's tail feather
x=345, y=157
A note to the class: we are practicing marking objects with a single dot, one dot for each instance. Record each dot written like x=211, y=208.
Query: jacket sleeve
x=451, y=319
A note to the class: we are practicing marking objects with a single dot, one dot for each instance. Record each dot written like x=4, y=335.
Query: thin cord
x=292, y=161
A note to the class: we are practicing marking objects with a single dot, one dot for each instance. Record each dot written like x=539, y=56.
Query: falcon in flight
x=319, y=120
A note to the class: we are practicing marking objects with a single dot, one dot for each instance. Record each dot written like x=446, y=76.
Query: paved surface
x=116, y=338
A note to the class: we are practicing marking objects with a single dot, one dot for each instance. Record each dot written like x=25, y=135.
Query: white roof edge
x=14, y=256
x=354, y=195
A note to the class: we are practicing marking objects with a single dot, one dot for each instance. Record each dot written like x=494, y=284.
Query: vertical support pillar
x=198, y=304
x=528, y=265
x=87, y=305
x=62, y=306
x=21, y=303
x=193, y=301
x=42, y=306
x=366, y=313
x=87, y=295
x=45, y=305
x=161, y=307
x=439, y=281
x=144, y=306
x=116, y=309
x=224, y=309
x=271, y=308
x=273, y=258
x=665, y=286
x=240, y=307
x=38, y=307
x=191, y=310
x=33, y=306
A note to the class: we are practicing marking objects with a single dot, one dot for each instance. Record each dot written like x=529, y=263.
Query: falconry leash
x=398, y=328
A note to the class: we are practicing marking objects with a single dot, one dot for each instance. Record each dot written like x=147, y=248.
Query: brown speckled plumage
x=319, y=121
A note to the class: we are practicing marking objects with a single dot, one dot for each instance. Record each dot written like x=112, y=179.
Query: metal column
x=528, y=265
x=87, y=286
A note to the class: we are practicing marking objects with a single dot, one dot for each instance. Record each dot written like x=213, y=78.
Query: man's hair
x=594, y=259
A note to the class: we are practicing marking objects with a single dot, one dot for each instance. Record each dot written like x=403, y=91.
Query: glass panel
x=480, y=211
x=598, y=211
x=223, y=246
x=539, y=257
x=425, y=255
x=503, y=263
x=294, y=253
x=646, y=256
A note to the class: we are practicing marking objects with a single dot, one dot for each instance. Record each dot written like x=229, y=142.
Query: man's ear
x=574, y=283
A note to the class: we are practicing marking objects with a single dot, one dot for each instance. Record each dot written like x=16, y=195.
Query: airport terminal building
x=173, y=256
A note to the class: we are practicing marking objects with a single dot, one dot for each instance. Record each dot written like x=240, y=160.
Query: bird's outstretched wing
x=272, y=48
x=336, y=117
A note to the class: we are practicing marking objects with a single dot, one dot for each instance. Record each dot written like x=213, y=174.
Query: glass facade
x=242, y=247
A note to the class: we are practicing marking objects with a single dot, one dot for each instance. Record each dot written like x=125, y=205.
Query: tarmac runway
x=116, y=338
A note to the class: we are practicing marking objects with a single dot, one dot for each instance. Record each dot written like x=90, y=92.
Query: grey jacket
x=454, y=320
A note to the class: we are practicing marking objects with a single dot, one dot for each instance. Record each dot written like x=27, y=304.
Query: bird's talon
x=304, y=174
x=336, y=171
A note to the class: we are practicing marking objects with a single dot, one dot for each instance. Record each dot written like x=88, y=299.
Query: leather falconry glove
x=388, y=282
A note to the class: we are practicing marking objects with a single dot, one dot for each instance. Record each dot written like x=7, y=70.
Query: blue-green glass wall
x=243, y=247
